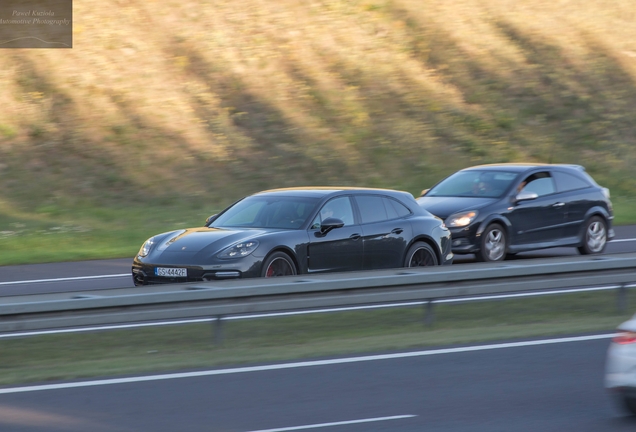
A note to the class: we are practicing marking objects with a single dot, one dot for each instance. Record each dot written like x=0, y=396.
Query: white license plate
x=171, y=272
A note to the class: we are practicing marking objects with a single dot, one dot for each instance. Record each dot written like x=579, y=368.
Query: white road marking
x=66, y=279
x=349, y=422
x=296, y=365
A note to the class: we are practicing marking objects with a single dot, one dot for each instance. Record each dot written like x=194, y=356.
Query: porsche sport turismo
x=299, y=231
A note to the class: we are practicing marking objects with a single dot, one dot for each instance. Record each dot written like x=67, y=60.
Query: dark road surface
x=547, y=387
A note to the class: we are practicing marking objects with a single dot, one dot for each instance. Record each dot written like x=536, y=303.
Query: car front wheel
x=278, y=264
x=594, y=236
x=493, y=244
x=420, y=254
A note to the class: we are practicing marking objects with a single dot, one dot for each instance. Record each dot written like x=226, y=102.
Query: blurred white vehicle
x=620, y=371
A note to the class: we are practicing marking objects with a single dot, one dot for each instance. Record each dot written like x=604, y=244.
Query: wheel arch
x=595, y=211
x=287, y=250
x=428, y=240
x=495, y=219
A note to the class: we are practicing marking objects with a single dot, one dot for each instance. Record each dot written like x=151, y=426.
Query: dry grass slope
x=162, y=101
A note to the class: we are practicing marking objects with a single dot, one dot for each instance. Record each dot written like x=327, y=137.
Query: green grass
x=89, y=232
x=624, y=210
x=191, y=346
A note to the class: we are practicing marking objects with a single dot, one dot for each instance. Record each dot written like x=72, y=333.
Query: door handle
x=354, y=236
x=397, y=231
x=559, y=204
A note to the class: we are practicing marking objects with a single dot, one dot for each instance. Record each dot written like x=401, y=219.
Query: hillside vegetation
x=165, y=111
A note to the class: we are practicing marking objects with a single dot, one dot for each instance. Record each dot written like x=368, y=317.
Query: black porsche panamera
x=299, y=231
x=494, y=211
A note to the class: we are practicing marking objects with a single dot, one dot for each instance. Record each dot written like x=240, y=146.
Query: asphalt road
x=546, y=387
x=116, y=273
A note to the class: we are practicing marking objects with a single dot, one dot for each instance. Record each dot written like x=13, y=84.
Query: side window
x=395, y=209
x=539, y=183
x=567, y=182
x=339, y=208
x=371, y=208
x=390, y=210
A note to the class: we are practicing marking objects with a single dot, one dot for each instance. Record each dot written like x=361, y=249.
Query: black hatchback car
x=494, y=211
x=298, y=231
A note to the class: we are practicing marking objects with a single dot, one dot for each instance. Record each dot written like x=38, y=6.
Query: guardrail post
x=621, y=298
x=429, y=313
x=218, y=331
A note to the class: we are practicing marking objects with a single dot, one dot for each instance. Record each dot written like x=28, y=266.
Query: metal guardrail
x=305, y=292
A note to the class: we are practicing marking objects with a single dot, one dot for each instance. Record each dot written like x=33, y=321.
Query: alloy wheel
x=596, y=236
x=279, y=267
x=495, y=244
x=422, y=257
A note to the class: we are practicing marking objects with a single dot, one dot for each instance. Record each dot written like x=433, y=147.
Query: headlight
x=239, y=250
x=145, y=249
x=461, y=219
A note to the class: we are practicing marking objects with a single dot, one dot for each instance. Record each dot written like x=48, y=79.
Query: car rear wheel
x=278, y=264
x=493, y=244
x=594, y=236
x=420, y=254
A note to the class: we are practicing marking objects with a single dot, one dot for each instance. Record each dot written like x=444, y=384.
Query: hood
x=189, y=244
x=443, y=207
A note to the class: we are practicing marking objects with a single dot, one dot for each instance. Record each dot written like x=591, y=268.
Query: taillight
x=625, y=337
x=606, y=192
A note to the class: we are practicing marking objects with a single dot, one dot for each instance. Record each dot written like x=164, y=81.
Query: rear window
x=567, y=182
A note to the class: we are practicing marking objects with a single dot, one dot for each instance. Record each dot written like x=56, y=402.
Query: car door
x=539, y=220
x=385, y=231
x=339, y=249
x=576, y=193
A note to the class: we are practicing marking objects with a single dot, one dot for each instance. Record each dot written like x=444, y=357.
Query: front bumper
x=464, y=240
x=145, y=273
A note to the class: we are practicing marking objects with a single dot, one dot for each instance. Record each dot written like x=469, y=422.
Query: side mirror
x=526, y=196
x=424, y=192
x=329, y=224
x=211, y=219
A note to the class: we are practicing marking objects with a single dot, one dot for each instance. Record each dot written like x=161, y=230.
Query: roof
x=320, y=191
x=521, y=167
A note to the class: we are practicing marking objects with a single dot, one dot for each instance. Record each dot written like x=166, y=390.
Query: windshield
x=488, y=184
x=267, y=212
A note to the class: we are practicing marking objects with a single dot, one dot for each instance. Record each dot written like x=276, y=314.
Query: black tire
x=278, y=264
x=420, y=254
x=594, y=237
x=493, y=244
x=629, y=403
